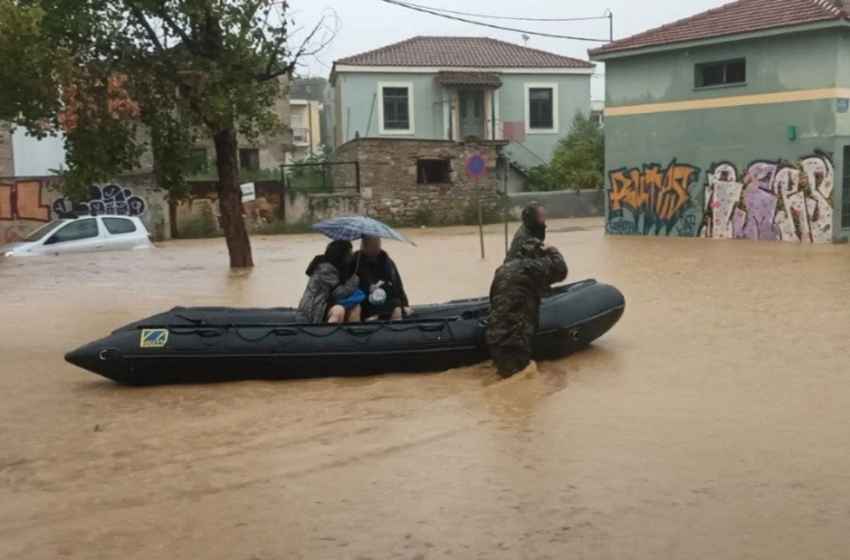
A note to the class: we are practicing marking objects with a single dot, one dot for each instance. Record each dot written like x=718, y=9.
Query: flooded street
x=710, y=423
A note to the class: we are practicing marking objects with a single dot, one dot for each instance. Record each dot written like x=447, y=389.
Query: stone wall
x=28, y=203
x=388, y=179
x=562, y=204
x=198, y=214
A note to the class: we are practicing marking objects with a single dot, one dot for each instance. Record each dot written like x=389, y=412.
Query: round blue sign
x=476, y=165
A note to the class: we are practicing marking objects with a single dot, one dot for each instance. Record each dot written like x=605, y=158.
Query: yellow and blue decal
x=154, y=338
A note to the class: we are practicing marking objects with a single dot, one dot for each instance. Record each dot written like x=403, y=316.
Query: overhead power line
x=508, y=18
x=490, y=25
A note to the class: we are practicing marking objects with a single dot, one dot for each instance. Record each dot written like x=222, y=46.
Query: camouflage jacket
x=515, y=293
x=528, y=231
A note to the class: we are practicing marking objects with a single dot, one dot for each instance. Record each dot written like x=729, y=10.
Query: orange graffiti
x=22, y=201
x=660, y=193
x=6, y=202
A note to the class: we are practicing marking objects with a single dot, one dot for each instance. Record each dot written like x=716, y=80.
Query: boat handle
x=439, y=327
x=363, y=331
x=285, y=332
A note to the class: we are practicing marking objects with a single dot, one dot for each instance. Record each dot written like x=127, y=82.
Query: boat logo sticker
x=154, y=338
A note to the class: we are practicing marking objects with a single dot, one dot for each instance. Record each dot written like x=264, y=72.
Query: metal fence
x=325, y=177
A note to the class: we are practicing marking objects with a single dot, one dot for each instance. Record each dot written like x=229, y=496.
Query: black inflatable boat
x=214, y=344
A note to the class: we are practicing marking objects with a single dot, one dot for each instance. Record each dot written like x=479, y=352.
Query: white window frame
x=555, y=108
x=410, y=111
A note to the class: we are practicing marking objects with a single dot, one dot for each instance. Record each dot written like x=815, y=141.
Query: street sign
x=249, y=193
x=476, y=165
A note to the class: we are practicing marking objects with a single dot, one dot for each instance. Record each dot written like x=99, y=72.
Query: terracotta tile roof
x=469, y=79
x=461, y=52
x=743, y=16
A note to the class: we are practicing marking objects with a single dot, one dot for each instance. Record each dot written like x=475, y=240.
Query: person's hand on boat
x=408, y=311
x=354, y=279
x=372, y=288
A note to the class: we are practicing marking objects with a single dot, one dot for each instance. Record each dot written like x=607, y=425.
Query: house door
x=471, y=113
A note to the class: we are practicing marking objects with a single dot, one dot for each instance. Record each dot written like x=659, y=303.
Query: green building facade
x=745, y=136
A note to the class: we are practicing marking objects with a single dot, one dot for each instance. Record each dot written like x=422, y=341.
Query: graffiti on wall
x=771, y=200
x=21, y=201
x=657, y=198
x=109, y=199
x=24, y=205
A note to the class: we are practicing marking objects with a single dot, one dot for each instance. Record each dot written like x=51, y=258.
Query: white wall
x=36, y=158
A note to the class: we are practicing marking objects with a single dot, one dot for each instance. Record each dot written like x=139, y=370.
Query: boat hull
x=208, y=345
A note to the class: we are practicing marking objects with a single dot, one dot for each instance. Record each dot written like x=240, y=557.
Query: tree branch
x=184, y=37
x=303, y=50
x=143, y=21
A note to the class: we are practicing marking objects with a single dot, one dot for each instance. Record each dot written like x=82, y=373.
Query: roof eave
x=339, y=68
x=605, y=56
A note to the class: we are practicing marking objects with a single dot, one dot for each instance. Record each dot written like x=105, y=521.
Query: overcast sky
x=369, y=24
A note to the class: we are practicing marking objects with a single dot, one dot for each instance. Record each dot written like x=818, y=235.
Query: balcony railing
x=301, y=135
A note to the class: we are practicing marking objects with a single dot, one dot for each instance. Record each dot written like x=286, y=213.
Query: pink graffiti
x=774, y=201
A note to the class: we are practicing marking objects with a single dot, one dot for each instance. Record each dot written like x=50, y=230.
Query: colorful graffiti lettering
x=109, y=199
x=772, y=201
x=621, y=227
x=21, y=200
x=687, y=226
x=660, y=196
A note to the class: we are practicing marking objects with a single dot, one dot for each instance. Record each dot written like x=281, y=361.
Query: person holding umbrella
x=380, y=280
x=379, y=277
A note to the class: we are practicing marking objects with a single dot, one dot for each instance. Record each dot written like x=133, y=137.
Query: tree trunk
x=230, y=199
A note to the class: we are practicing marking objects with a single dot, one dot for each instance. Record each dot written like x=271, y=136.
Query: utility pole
x=610, y=15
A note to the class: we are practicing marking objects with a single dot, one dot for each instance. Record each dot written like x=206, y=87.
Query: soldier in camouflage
x=533, y=227
x=515, y=303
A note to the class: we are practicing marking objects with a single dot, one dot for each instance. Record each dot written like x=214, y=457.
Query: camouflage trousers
x=510, y=360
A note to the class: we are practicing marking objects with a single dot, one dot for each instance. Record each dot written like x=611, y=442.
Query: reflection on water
x=709, y=424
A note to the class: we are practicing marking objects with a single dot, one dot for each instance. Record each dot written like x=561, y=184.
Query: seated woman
x=331, y=294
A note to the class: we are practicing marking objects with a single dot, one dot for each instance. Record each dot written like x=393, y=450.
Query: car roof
x=100, y=217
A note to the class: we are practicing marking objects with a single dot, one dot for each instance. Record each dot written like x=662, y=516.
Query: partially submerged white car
x=86, y=234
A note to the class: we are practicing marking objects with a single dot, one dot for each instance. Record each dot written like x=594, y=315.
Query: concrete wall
x=358, y=109
x=198, y=214
x=573, y=95
x=775, y=64
x=28, y=203
x=561, y=204
x=7, y=150
x=725, y=172
x=359, y=98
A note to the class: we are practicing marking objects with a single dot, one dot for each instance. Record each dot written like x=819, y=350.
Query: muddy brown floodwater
x=711, y=423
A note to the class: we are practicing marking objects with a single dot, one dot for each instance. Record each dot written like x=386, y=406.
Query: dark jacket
x=383, y=268
x=515, y=304
x=323, y=287
x=530, y=229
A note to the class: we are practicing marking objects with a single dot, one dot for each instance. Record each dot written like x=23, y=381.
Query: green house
x=454, y=88
x=733, y=123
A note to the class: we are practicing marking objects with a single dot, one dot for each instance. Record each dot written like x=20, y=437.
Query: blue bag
x=354, y=299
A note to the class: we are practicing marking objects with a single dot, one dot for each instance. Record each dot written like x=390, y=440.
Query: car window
x=41, y=232
x=75, y=231
x=117, y=226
